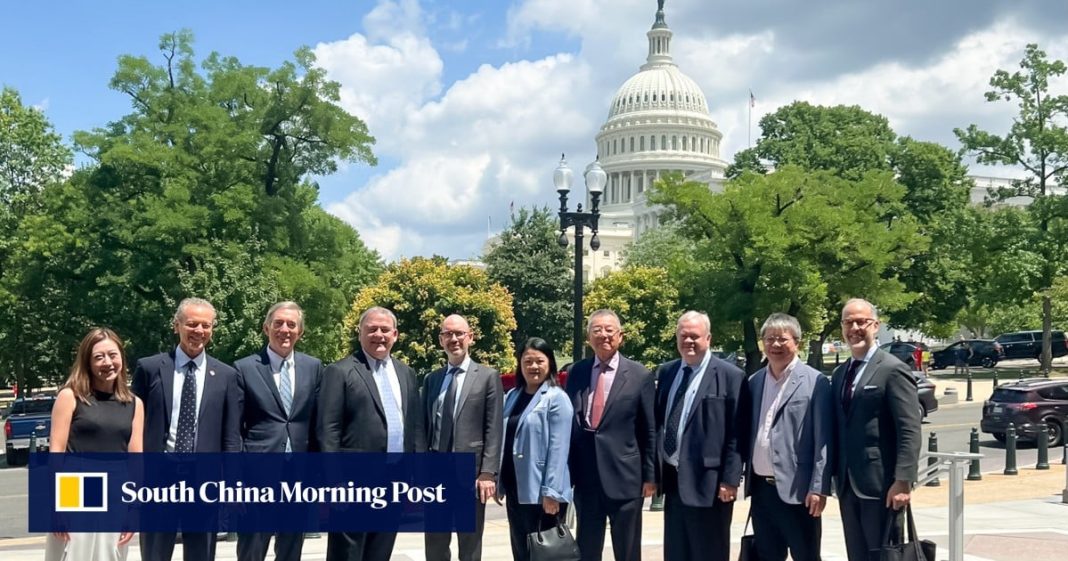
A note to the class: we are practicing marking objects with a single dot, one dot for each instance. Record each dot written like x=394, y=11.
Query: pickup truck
x=27, y=416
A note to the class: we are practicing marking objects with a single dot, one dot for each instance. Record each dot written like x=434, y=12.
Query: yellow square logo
x=81, y=492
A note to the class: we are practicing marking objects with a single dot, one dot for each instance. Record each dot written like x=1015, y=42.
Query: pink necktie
x=598, y=399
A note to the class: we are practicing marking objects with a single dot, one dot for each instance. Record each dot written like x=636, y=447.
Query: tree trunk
x=815, y=353
x=753, y=356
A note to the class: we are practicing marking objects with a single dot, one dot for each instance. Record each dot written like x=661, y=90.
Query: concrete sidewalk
x=1006, y=519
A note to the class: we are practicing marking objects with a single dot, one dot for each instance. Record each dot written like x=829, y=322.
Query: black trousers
x=360, y=546
x=253, y=547
x=779, y=525
x=625, y=516
x=469, y=543
x=524, y=519
x=196, y=546
x=692, y=533
x=863, y=521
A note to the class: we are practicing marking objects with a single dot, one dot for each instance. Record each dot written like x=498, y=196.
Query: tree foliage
x=528, y=261
x=201, y=190
x=422, y=292
x=1037, y=142
x=647, y=303
x=779, y=242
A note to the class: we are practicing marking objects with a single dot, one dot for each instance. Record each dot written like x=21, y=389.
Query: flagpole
x=749, y=137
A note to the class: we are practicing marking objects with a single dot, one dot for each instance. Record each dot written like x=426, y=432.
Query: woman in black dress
x=95, y=412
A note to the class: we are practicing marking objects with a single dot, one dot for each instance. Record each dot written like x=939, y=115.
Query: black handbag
x=748, y=550
x=896, y=549
x=554, y=544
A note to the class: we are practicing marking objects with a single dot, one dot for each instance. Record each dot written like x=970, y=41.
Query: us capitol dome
x=658, y=122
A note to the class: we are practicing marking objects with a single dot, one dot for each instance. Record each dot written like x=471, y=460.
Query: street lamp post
x=595, y=180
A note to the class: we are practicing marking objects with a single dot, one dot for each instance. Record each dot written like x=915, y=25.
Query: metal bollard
x=974, y=472
x=1010, y=450
x=33, y=443
x=1021, y=376
x=968, y=397
x=932, y=446
x=1042, y=443
x=657, y=504
x=1064, y=453
x=995, y=378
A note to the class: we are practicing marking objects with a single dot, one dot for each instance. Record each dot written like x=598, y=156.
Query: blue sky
x=472, y=102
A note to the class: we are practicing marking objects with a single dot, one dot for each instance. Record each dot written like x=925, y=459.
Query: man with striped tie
x=279, y=387
x=369, y=402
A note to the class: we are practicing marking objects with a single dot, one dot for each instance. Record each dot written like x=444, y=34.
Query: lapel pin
x=211, y=372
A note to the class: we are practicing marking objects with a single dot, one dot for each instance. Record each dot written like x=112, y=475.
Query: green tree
x=32, y=156
x=779, y=243
x=529, y=262
x=202, y=189
x=422, y=292
x=1037, y=142
x=647, y=303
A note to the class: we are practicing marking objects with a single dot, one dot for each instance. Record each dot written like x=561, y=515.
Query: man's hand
x=648, y=489
x=815, y=503
x=550, y=505
x=486, y=487
x=125, y=538
x=727, y=493
x=897, y=497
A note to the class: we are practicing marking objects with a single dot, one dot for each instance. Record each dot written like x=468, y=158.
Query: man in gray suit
x=280, y=387
x=464, y=408
x=788, y=474
x=877, y=418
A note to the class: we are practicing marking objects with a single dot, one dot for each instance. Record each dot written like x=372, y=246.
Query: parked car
x=925, y=388
x=1028, y=344
x=1028, y=404
x=911, y=353
x=985, y=353
x=508, y=379
x=29, y=417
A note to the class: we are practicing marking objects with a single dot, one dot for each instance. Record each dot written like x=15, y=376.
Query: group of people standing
x=693, y=429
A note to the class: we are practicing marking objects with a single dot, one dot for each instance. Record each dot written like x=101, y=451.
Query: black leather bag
x=748, y=550
x=554, y=544
x=896, y=549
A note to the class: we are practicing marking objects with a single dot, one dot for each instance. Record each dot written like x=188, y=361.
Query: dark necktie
x=184, y=441
x=850, y=378
x=671, y=435
x=447, y=406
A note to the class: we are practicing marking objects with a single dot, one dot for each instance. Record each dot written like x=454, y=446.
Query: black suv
x=1028, y=344
x=1028, y=404
x=911, y=353
x=985, y=353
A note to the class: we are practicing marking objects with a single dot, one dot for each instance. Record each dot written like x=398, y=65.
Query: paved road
x=13, y=505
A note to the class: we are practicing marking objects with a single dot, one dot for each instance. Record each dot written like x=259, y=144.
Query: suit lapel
x=622, y=376
x=166, y=378
x=469, y=380
x=402, y=385
x=363, y=371
x=792, y=384
x=530, y=406
x=302, y=388
x=264, y=368
x=707, y=379
x=213, y=386
x=757, y=393
x=869, y=370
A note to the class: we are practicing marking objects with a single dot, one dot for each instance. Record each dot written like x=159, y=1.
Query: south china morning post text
x=253, y=492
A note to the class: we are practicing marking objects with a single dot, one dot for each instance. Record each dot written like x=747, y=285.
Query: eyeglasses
x=608, y=331
x=769, y=341
x=861, y=323
x=453, y=334
x=191, y=325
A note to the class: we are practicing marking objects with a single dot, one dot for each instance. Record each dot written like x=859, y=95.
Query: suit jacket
x=802, y=430
x=219, y=414
x=709, y=451
x=620, y=454
x=351, y=416
x=478, y=425
x=878, y=439
x=542, y=440
x=264, y=422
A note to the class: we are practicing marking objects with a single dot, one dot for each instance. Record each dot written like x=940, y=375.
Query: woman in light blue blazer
x=533, y=478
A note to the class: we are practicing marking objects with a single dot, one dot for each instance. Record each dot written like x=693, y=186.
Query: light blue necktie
x=394, y=423
x=285, y=389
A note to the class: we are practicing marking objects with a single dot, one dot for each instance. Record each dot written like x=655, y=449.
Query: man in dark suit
x=698, y=436
x=613, y=442
x=789, y=465
x=464, y=407
x=369, y=402
x=192, y=404
x=877, y=413
x=280, y=387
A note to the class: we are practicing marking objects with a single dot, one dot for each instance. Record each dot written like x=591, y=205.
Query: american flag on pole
x=752, y=99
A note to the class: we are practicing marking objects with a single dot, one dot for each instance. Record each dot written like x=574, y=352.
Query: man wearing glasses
x=788, y=474
x=464, y=409
x=877, y=413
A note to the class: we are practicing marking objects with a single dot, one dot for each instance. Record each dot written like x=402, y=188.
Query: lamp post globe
x=595, y=178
